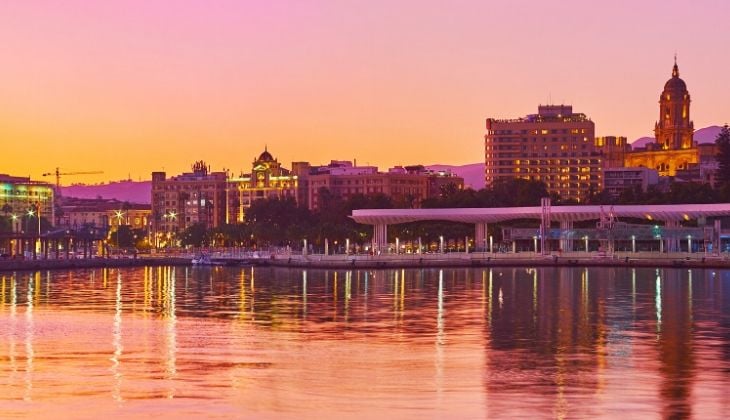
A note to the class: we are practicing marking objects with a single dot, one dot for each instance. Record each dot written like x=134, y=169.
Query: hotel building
x=555, y=146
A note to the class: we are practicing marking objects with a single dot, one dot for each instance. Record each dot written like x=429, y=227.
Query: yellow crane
x=58, y=174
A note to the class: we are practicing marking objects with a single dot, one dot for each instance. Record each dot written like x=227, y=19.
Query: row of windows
x=25, y=193
x=188, y=187
x=535, y=140
x=563, y=170
x=542, y=131
x=550, y=162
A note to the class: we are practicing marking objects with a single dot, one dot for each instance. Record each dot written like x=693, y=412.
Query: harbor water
x=501, y=342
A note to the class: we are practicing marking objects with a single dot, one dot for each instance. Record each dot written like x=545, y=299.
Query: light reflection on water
x=502, y=342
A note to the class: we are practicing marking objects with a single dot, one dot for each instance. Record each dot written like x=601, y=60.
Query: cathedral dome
x=265, y=156
x=675, y=84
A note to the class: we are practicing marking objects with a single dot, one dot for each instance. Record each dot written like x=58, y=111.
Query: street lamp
x=119, y=214
x=32, y=213
x=633, y=243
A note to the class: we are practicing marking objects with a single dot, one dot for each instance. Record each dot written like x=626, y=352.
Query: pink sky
x=138, y=86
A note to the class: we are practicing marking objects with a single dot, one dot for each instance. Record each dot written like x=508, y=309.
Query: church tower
x=673, y=153
x=674, y=130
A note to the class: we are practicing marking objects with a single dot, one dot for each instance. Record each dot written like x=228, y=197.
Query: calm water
x=242, y=342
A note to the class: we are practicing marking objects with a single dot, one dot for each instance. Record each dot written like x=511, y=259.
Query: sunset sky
x=129, y=87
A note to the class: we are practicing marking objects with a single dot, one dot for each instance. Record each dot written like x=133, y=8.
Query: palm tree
x=7, y=224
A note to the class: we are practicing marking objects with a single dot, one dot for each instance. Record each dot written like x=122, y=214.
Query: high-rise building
x=184, y=200
x=555, y=146
x=674, y=149
x=268, y=179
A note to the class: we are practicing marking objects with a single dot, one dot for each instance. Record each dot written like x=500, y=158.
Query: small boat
x=202, y=259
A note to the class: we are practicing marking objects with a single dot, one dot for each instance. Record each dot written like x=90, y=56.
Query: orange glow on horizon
x=136, y=87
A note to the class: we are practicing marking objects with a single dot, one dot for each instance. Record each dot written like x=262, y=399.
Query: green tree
x=518, y=193
x=272, y=221
x=195, y=235
x=123, y=237
x=5, y=222
x=723, y=155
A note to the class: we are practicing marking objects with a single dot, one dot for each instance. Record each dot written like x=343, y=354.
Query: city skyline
x=134, y=88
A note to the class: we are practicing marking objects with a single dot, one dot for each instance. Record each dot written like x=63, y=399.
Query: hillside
x=702, y=136
x=473, y=173
x=132, y=191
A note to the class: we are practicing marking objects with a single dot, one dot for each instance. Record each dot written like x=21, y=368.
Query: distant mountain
x=702, y=136
x=642, y=142
x=473, y=173
x=707, y=134
x=132, y=191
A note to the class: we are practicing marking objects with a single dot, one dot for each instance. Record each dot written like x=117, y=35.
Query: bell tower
x=674, y=130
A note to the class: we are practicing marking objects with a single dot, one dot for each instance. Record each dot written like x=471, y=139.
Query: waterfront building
x=555, y=146
x=184, y=200
x=406, y=186
x=618, y=180
x=674, y=149
x=267, y=180
x=20, y=196
x=101, y=212
x=438, y=183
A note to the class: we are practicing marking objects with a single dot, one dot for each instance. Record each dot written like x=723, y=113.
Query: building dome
x=265, y=156
x=675, y=84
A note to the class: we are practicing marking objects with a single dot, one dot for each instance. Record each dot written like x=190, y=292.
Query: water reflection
x=117, y=340
x=499, y=342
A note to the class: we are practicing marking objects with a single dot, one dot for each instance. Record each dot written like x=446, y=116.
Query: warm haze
x=137, y=86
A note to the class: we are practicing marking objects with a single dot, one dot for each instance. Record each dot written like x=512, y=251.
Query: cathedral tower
x=674, y=130
x=673, y=153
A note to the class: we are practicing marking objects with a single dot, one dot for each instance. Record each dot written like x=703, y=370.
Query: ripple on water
x=513, y=342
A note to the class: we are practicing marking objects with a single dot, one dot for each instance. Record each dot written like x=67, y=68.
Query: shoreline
x=31, y=265
x=348, y=262
x=480, y=260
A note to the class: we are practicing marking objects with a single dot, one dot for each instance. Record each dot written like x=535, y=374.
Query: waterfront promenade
x=482, y=259
x=364, y=261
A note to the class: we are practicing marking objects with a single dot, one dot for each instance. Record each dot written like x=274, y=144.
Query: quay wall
x=648, y=259
x=52, y=264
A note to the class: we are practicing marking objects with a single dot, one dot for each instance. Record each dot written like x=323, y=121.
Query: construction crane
x=58, y=174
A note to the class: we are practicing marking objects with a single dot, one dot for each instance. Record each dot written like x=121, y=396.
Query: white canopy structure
x=669, y=214
x=664, y=212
